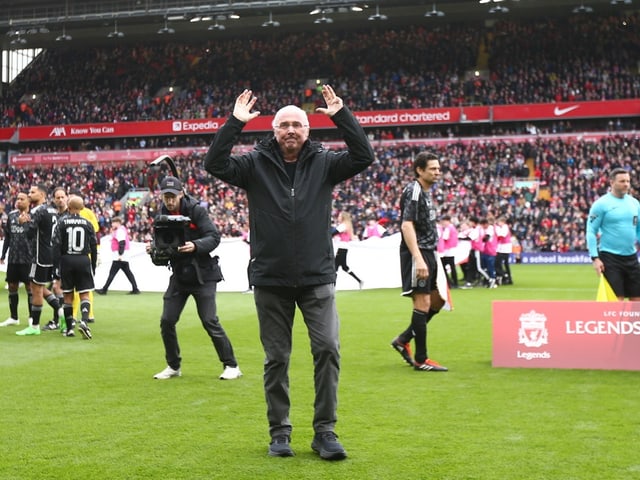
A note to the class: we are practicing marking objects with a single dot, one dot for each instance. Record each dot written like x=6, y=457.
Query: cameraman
x=195, y=273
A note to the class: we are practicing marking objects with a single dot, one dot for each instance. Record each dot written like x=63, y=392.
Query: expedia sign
x=203, y=126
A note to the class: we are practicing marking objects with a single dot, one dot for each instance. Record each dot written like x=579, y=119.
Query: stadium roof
x=51, y=23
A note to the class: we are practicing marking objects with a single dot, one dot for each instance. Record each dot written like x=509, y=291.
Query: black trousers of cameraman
x=174, y=300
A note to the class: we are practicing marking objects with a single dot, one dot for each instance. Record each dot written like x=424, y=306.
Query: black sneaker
x=52, y=325
x=68, y=333
x=100, y=291
x=84, y=330
x=430, y=366
x=326, y=444
x=134, y=292
x=279, y=447
x=404, y=349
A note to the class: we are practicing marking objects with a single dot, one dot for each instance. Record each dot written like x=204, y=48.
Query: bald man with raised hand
x=289, y=181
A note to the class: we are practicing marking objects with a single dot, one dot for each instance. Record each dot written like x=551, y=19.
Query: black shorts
x=41, y=275
x=341, y=258
x=18, y=272
x=76, y=274
x=410, y=283
x=623, y=273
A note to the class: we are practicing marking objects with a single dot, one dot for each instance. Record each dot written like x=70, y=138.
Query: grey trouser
x=174, y=301
x=276, y=309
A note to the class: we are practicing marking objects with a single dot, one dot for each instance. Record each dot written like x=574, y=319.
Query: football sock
x=52, y=300
x=85, y=308
x=13, y=304
x=36, y=310
x=419, y=327
x=431, y=313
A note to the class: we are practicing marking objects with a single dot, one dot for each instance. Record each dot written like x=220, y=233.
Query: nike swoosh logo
x=558, y=112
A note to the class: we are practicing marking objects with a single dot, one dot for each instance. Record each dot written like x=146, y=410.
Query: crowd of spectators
x=569, y=59
x=479, y=179
x=560, y=59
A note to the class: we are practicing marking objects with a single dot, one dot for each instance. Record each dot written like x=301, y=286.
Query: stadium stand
x=539, y=178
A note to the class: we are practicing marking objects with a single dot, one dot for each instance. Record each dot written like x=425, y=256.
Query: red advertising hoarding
x=383, y=118
x=582, y=335
x=147, y=155
x=566, y=110
x=7, y=133
x=96, y=157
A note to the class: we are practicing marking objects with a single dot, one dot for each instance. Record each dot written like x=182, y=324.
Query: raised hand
x=244, y=104
x=334, y=103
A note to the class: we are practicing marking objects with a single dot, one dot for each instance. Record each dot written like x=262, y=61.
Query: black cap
x=171, y=185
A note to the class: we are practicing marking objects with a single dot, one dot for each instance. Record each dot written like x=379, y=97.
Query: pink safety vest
x=119, y=233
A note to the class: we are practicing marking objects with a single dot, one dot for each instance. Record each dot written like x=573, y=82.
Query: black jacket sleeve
x=218, y=162
x=359, y=153
x=209, y=236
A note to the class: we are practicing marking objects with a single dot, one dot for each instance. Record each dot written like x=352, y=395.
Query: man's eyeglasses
x=286, y=125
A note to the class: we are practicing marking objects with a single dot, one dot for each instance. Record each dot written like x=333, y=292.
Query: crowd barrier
x=374, y=260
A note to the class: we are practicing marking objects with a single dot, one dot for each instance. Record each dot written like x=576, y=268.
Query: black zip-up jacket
x=290, y=223
x=198, y=267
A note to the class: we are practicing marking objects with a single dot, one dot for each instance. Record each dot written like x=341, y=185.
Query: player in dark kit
x=418, y=261
x=39, y=226
x=20, y=258
x=60, y=201
x=75, y=243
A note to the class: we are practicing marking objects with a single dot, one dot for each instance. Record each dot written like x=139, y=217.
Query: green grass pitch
x=77, y=409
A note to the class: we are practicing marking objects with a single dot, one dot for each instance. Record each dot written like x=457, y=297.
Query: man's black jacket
x=197, y=267
x=290, y=223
